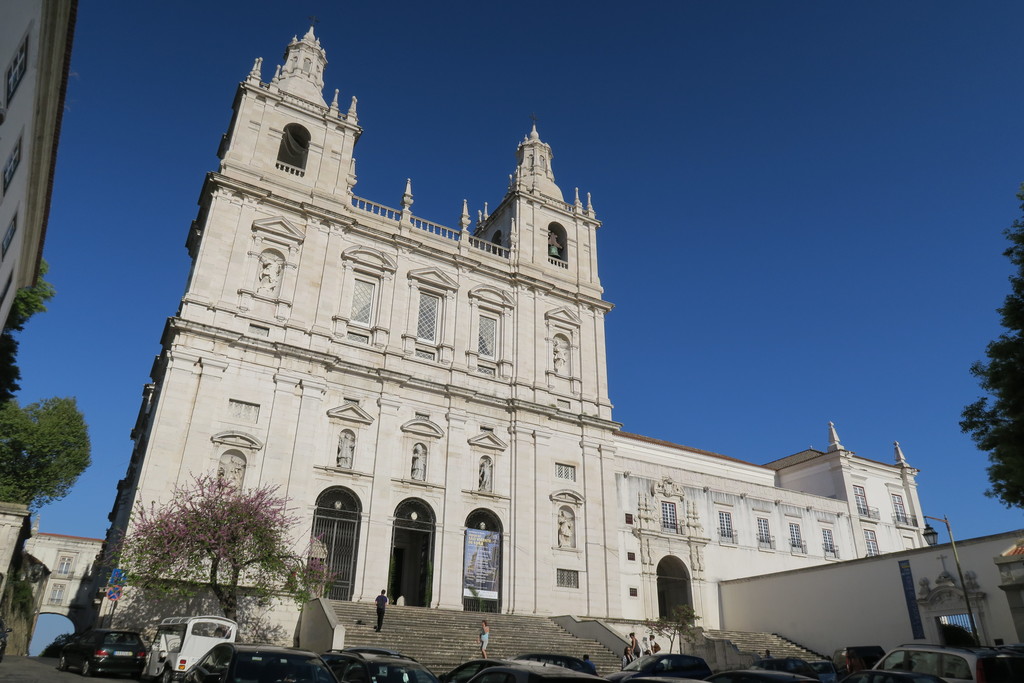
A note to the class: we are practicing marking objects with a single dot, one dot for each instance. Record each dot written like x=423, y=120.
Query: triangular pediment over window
x=563, y=315
x=280, y=227
x=489, y=441
x=434, y=277
x=370, y=258
x=237, y=440
x=492, y=296
x=423, y=428
x=567, y=496
x=350, y=413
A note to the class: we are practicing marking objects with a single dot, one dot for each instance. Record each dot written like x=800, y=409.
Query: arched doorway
x=673, y=585
x=336, y=538
x=481, y=563
x=412, y=553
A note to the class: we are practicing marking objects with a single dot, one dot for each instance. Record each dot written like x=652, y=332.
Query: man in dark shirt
x=382, y=601
x=588, y=666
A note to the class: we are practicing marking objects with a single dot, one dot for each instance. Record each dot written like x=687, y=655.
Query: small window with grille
x=764, y=533
x=429, y=314
x=565, y=471
x=633, y=592
x=487, y=339
x=362, y=302
x=567, y=578
x=629, y=518
x=631, y=556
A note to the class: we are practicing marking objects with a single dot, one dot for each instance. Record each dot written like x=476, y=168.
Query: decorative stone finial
x=577, y=203
x=334, y=102
x=464, y=218
x=407, y=197
x=833, y=439
x=900, y=459
x=487, y=213
x=590, y=206
x=256, y=73
x=352, y=110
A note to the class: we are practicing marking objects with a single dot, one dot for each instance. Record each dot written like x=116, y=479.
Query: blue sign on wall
x=908, y=591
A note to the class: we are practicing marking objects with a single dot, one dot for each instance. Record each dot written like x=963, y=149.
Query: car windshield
x=126, y=640
x=1002, y=669
x=387, y=672
x=823, y=667
x=641, y=663
x=280, y=667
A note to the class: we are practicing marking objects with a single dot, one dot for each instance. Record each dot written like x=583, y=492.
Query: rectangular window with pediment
x=428, y=318
x=363, y=292
x=487, y=339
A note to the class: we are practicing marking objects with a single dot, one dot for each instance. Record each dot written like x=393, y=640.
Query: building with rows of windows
x=434, y=399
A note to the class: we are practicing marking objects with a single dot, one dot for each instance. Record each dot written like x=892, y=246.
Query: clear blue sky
x=803, y=202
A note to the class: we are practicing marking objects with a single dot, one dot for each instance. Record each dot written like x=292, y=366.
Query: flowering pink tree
x=216, y=535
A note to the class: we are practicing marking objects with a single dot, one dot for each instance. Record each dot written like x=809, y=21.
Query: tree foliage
x=680, y=624
x=43, y=449
x=27, y=302
x=213, y=534
x=996, y=421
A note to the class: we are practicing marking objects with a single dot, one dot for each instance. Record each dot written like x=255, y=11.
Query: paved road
x=40, y=670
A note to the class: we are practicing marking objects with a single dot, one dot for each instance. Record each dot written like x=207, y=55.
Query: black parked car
x=759, y=676
x=362, y=666
x=872, y=676
x=465, y=671
x=792, y=665
x=663, y=666
x=527, y=671
x=258, y=664
x=104, y=651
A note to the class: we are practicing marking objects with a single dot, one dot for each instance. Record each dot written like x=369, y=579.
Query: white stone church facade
x=434, y=400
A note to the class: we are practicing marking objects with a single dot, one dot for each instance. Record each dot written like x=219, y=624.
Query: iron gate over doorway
x=336, y=538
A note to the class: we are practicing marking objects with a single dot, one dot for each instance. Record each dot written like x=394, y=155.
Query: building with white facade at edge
x=69, y=584
x=434, y=400
x=35, y=51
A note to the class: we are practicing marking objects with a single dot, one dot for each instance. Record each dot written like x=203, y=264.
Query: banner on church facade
x=908, y=592
x=482, y=561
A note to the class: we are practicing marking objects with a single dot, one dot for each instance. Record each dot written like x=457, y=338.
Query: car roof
x=547, y=654
x=976, y=651
x=773, y=675
x=247, y=647
x=370, y=656
x=541, y=669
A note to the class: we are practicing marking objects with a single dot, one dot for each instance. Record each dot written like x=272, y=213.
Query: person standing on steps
x=382, y=601
x=485, y=635
x=588, y=666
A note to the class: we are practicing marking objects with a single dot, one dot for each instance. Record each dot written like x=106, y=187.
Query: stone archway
x=412, y=553
x=481, y=562
x=336, y=537
x=673, y=585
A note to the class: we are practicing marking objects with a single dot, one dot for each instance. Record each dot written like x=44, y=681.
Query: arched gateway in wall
x=673, y=585
x=412, y=553
x=336, y=537
x=481, y=563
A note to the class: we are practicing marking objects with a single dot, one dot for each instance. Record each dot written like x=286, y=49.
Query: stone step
x=757, y=643
x=443, y=639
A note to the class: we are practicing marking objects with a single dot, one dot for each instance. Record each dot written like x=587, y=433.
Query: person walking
x=485, y=635
x=655, y=648
x=627, y=656
x=382, y=601
x=645, y=647
x=634, y=647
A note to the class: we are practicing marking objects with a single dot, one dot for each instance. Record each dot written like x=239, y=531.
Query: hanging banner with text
x=482, y=562
x=908, y=591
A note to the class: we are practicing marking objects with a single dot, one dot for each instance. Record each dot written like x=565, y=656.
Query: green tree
x=43, y=449
x=681, y=624
x=996, y=421
x=215, y=535
x=27, y=302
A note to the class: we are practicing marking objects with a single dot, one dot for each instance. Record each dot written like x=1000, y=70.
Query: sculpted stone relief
x=269, y=277
x=419, y=462
x=484, y=479
x=346, y=449
x=566, y=528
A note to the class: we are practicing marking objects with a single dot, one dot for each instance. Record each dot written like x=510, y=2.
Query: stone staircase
x=757, y=643
x=443, y=639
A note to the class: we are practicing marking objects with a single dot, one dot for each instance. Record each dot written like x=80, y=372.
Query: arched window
x=268, y=279
x=566, y=527
x=557, y=243
x=232, y=468
x=294, y=146
x=496, y=237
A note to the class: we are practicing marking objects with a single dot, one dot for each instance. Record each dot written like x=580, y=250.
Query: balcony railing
x=766, y=542
x=903, y=519
x=867, y=512
x=830, y=551
x=671, y=527
x=729, y=536
x=797, y=547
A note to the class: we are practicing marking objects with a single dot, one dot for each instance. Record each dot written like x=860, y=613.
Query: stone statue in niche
x=560, y=354
x=484, y=483
x=232, y=468
x=566, y=535
x=419, y=462
x=346, y=449
x=271, y=267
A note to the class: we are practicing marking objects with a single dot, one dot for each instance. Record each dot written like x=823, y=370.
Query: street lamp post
x=931, y=537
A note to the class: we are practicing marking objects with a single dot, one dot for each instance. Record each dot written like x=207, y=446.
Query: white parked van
x=180, y=641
